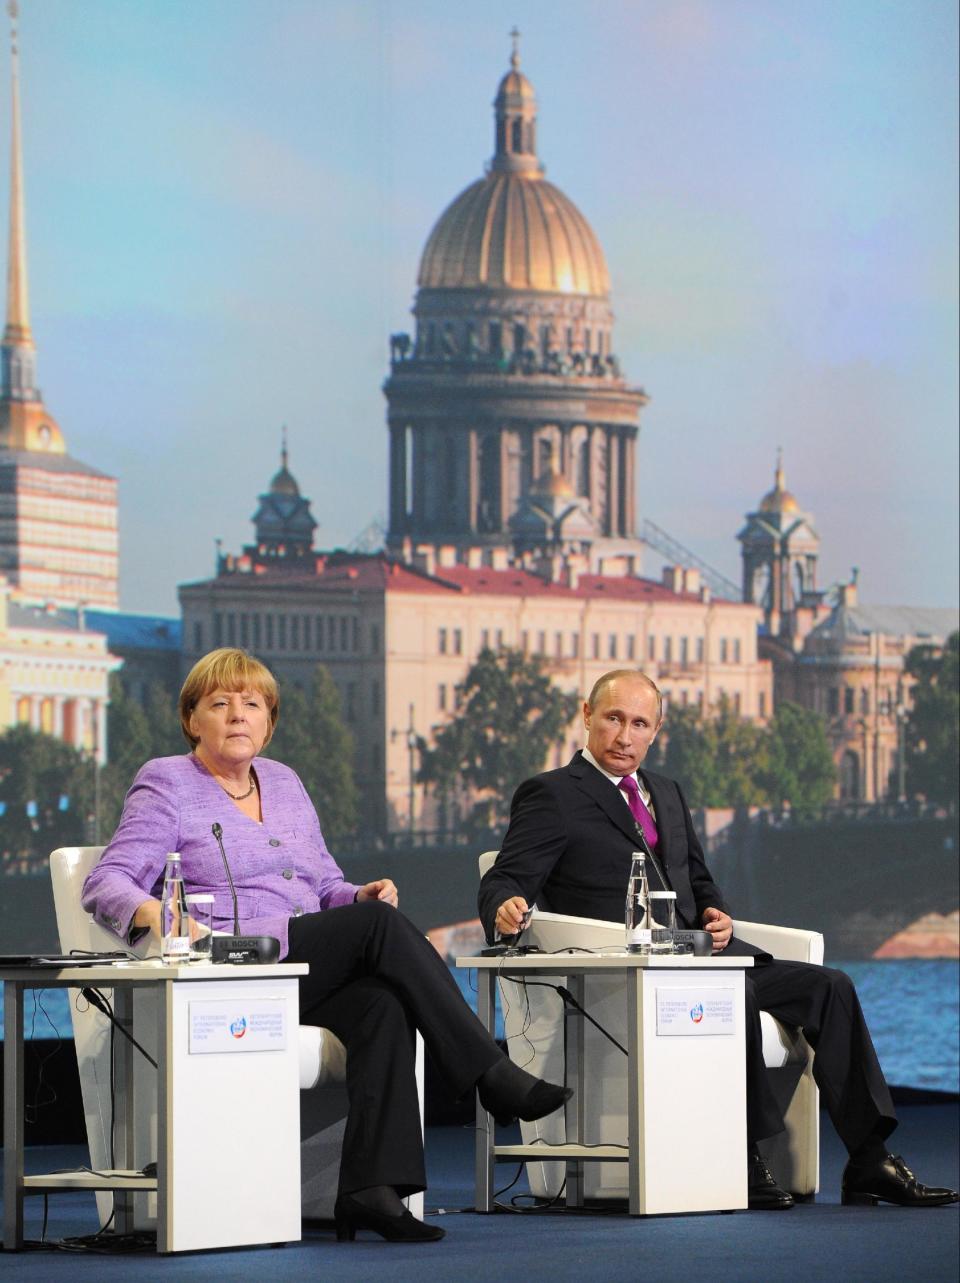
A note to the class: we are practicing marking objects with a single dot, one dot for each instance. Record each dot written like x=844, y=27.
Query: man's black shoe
x=890, y=1181
x=763, y=1192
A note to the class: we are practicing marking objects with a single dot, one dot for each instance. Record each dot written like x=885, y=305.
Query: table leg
x=164, y=1116
x=12, y=1116
x=635, y=1136
x=483, y=1153
x=123, y=1128
x=573, y=1112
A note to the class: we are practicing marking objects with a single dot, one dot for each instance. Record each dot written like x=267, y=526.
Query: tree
x=932, y=748
x=718, y=759
x=800, y=769
x=510, y=716
x=313, y=740
x=136, y=732
x=46, y=791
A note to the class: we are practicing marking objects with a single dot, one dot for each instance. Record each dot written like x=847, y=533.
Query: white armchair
x=533, y=1022
x=323, y=1058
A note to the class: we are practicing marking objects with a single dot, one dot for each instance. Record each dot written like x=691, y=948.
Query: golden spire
x=18, y=300
x=778, y=474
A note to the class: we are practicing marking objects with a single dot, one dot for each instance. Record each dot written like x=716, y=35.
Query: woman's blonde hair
x=227, y=669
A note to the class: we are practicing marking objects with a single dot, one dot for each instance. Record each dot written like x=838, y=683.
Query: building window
x=668, y=650
x=736, y=650
x=306, y=632
x=541, y=643
x=651, y=648
x=631, y=646
x=723, y=650
x=612, y=646
x=374, y=639
x=833, y=701
x=458, y=641
x=595, y=643
x=331, y=634
x=269, y=625
x=255, y=627
x=484, y=638
x=294, y=632
x=499, y=639
x=699, y=650
x=197, y=635
x=737, y=702
x=355, y=630
x=217, y=628
x=281, y=632
x=351, y=701
x=244, y=631
x=231, y=628
x=442, y=697
x=762, y=703
x=374, y=696
x=442, y=640
x=344, y=633
x=848, y=698
x=558, y=645
x=684, y=651
x=575, y=645
x=684, y=697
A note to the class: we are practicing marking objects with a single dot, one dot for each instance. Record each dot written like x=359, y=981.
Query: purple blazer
x=281, y=868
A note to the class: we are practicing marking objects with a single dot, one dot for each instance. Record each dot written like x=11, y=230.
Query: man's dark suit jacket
x=570, y=841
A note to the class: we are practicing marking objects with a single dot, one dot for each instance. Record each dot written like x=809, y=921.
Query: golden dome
x=514, y=231
x=27, y=425
x=779, y=499
x=555, y=484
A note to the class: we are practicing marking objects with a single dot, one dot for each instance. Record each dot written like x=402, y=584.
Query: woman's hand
x=148, y=915
x=382, y=889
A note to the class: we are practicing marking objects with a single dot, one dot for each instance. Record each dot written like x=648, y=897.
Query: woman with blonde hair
x=373, y=979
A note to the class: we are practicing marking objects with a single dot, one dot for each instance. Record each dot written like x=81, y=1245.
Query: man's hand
x=382, y=889
x=720, y=926
x=510, y=915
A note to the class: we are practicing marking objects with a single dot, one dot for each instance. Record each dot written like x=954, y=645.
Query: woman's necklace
x=241, y=797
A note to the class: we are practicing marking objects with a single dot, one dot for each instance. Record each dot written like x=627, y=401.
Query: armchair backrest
x=69, y=866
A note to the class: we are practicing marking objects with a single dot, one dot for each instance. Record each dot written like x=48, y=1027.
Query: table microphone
x=238, y=948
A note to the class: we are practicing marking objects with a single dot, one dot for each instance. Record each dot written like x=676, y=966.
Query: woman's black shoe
x=509, y=1092
x=350, y=1216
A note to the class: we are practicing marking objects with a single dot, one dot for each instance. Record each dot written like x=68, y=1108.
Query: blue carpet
x=819, y=1241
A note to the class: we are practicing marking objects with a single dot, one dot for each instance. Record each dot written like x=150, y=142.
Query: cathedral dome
x=513, y=229
x=283, y=482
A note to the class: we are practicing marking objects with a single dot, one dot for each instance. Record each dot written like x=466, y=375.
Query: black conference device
x=238, y=949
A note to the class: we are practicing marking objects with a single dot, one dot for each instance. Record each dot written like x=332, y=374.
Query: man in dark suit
x=568, y=848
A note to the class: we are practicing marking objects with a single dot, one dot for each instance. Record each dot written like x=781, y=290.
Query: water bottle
x=637, y=922
x=174, y=916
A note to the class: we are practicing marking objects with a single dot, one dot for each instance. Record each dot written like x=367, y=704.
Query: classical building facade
x=511, y=424
x=54, y=674
x=838, y=657
x=399, y=636
x=58, y=516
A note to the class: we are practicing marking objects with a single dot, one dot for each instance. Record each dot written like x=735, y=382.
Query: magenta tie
x=628, y=785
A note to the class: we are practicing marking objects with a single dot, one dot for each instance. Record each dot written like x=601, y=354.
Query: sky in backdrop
x=227, y=201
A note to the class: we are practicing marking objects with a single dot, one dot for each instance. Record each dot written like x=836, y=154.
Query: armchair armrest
x=789, y=943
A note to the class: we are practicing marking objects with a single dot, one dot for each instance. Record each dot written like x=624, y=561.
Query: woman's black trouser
x=375, y=979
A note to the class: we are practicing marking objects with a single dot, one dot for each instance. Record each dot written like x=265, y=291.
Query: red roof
x=377, y=571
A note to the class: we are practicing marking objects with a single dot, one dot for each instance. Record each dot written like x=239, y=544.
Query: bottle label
x=639, y=935
x=178, y=946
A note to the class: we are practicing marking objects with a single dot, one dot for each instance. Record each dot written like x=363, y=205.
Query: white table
x=686, y=1134
x=228, y=1111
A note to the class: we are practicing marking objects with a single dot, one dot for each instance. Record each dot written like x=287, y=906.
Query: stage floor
x=818, y=1241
